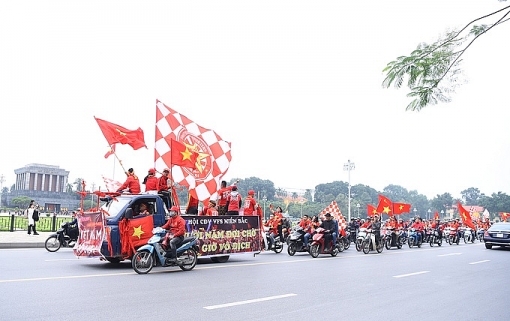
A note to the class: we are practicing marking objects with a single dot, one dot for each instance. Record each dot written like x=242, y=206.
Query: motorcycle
x=359, y=240
x=434, y=238
x=480, y=233
x=153, y=254
x=296, y=242
x=345, y=239
x=277, y=247
x=369, y=243
x=468, y=235
x=412, y=240
x=392, y=239
x=65, y=236
x=453, y=237
x=318, y=246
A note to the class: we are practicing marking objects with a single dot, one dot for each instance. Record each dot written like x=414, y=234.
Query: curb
x=21, y=245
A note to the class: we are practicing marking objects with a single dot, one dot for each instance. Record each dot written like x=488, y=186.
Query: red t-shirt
x=151, y=184
x=250, y=206
x=234, y=200
x=132, y=184
x=223, y=194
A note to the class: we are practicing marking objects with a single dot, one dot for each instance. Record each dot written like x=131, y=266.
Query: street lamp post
x=349, y=166
x=442, y=212
x=2, y=180
x=358, y=206
x=428, y=213
x=302, y=202
x=415, y=211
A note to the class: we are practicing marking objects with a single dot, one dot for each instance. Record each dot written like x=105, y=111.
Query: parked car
x=497, y=235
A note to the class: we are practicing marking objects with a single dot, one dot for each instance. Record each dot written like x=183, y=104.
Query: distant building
x=46, y=184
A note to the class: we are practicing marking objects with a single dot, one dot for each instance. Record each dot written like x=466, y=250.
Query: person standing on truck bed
x=163, y=187
x=234, y=200
x=132, y=184
x=151, y=181
x=176, y=227
x=222, y=197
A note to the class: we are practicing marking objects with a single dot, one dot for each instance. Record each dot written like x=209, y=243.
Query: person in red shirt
x=438, y=227
x=367, y=223
x=211, y=209
x=163, y=187
x=272, y=223
x=192, y=207
x=176, y=227
x=419, y=227
x=250, y=204
x=151, y=181
x=131, y=185
x=222, y=197
x=234, y=201
x=279, y=215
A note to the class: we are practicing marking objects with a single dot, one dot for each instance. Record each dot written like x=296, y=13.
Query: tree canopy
x=433, y=70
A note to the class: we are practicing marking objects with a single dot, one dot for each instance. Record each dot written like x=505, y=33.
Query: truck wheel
x=220, y=259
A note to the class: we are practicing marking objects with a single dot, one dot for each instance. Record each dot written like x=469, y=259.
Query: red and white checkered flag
x=334, y=210
x=111, y=185
x=213, y=158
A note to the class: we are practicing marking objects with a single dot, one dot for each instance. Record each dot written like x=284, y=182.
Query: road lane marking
x=410, y=274
x=57, y=260
x=480, y=262
x=65, y=277
x=450, y=254
x=231, y=304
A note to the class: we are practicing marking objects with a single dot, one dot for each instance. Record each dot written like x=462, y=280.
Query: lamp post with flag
x=349, y=166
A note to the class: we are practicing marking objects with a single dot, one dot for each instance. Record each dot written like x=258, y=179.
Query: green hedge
x=45, y=224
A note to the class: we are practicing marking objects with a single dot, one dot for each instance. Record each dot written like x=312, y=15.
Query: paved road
x=441, y=282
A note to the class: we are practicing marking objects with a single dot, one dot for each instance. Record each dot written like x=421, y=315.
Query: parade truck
x=117, y=229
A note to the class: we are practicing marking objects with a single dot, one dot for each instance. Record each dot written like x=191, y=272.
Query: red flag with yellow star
x=436, y=216
x=399, y=208
x=371, y=210
x=214, y=153
x=135, y=233
x=385, y=205
x=504, y=215
x=465, y=216
x=182, y=155
x=117, y=134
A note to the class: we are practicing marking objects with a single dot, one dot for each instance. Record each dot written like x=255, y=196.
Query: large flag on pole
x=399, y=208
x=465, y=216
x=117, y=134
x=213, y=158
x=371, y=210
x=182, y=155
x=385, y=206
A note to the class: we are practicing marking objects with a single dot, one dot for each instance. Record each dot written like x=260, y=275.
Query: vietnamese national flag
x=371, y=210
x=385, y=205
x=436, y=216
x=111, y=151
x=117, y=134
x=135, y=233
x=182, y=155
x=504, y=215
x=465, y=216
x=399, y=208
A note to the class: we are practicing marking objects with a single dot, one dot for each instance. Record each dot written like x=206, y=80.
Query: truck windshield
x=114, y=207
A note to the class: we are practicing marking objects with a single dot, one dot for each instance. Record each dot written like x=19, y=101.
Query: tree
x=432, y=70
x=78, y=185
x=21, y=201
x=441, y=202
x=471, y=196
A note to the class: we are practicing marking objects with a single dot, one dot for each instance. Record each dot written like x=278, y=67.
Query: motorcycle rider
x=305, y=224
x=393, y=225
x=176, y=227
x=375, y=225
x=272, y=223
x=73, y=228
x=330, y=227
x=353, y=229
x=420, y=227
x=314, y=223
x=438, y=227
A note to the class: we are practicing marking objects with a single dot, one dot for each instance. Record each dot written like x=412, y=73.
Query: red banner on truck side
x=92, y=234
x=223, y=235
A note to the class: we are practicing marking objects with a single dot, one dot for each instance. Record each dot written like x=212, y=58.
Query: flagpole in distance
x=349, y=166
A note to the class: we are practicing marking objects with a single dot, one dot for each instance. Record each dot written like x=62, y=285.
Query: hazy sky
x=294, y=85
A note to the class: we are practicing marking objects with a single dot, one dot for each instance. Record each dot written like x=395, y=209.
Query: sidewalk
x=21, y=239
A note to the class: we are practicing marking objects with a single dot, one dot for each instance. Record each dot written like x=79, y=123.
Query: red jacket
x=250, y=206
x=175, y=225
x=151, y=184
x=162, y=184
x=132, y=184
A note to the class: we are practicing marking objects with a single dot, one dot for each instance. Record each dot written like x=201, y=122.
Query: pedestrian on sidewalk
x=29, y=214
